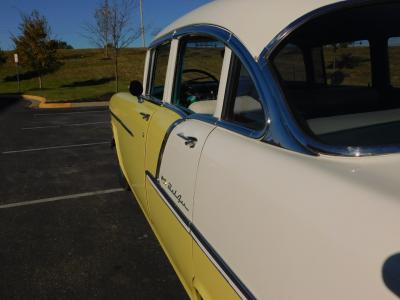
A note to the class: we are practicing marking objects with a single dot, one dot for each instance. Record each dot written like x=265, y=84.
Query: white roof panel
x=254, y=22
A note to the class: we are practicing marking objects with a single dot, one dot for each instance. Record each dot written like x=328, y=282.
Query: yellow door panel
x=172, y=235
x=209, y=282
x=134, y=118
x=117, y=131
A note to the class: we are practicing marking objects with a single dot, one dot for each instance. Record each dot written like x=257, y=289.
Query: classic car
x=263, y=148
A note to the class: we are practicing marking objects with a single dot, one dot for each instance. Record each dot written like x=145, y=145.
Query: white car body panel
x=279, y=206
x=179, y=163
x=247, y=19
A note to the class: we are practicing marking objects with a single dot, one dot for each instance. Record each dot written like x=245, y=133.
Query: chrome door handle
x=145, y=116
x=189, y=140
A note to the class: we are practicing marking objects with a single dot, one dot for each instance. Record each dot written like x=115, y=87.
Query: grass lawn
x=84, y=74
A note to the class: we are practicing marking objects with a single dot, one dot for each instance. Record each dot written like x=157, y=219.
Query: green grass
x=84, y=74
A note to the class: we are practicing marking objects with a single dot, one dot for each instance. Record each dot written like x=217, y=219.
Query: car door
x=170, y=184
x=137, y=115
x=224, y=228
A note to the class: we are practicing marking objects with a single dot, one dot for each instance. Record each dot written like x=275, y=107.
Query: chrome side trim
x=219, y=262
x=122, y=124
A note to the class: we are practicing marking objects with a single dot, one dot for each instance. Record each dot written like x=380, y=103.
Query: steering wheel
x=208, y=75
x=189, y=94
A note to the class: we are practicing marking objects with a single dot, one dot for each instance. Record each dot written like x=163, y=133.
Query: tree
x=59, y=44
x=122, y=30
x=113, y=29
x=3, y=57
x=99, y=32
x=34, y=45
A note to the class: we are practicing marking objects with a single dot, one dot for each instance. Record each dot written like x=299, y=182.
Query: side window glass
x=317, y=57
x=348, y=63
x=290, y=64
x=394, y=61
x=159, y=73
x=242, y=104
x=198, y=74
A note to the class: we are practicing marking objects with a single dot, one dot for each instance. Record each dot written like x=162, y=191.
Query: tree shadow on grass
x=32, y=74
x=88, y=82
x=23, y=76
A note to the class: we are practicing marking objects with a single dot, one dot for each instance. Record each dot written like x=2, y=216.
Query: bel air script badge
x=174, y=192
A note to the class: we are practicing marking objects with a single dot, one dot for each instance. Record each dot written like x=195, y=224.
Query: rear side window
x=198, y=74
x=159, y=73
x=394, y=61
x=348, y=63
x=242, y=104
x=347, y=101
x=290, y=64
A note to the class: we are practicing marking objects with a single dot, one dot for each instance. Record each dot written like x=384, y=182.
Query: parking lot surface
x=67, y=229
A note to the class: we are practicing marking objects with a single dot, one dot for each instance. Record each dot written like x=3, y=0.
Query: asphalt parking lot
x=67, y=230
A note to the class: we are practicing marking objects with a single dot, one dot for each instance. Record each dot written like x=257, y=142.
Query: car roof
x=254, y=22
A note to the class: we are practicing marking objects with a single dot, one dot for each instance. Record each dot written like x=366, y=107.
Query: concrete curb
x=40, y=102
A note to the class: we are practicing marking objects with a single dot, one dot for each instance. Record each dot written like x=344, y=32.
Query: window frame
x=177, y=71
x=230, y=93
x=151, y=73
x=253, y=66
x=389, y=69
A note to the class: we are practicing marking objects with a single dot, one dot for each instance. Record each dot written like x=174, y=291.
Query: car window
x=242, y=104
x=198, y=74
x=348, y=63
x=394, y=61
x=290, y=64
x=347, y=100
x=159, y=73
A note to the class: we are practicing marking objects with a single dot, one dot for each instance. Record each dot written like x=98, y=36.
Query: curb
x=40, y=102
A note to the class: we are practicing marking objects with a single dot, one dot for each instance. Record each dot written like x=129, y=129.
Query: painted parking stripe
x=59, y=198
x=56, y=147
x=73, y=113
x=64, y=125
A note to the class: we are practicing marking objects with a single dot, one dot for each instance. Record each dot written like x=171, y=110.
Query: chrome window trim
x=305, y=140
x=151, y=99
x=327, y=9
x=150, y=78
x=230, y=40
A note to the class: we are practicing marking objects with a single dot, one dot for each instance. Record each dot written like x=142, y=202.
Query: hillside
x=84, y=74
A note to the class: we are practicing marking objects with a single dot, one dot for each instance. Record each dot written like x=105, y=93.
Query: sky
x=68, y=17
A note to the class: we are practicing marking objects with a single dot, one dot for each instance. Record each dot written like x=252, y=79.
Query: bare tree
x=122, y=30
x=99, y=32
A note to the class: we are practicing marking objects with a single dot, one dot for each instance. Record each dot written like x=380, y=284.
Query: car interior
x=340, y=74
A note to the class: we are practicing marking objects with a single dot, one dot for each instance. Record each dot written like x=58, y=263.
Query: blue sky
x=67, y=17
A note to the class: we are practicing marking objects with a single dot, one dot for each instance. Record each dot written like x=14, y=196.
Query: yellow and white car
x=263, y=148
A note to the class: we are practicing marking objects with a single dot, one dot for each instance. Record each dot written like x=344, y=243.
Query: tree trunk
x=107, y=55
x=116, y=69
x=40, y=81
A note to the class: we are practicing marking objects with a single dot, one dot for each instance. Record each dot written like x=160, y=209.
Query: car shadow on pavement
x=8, y=99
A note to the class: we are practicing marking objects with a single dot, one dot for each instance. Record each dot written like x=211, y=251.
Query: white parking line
x=64, y=125
x=66, y=197
x=73, y=113
x=55, y=147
